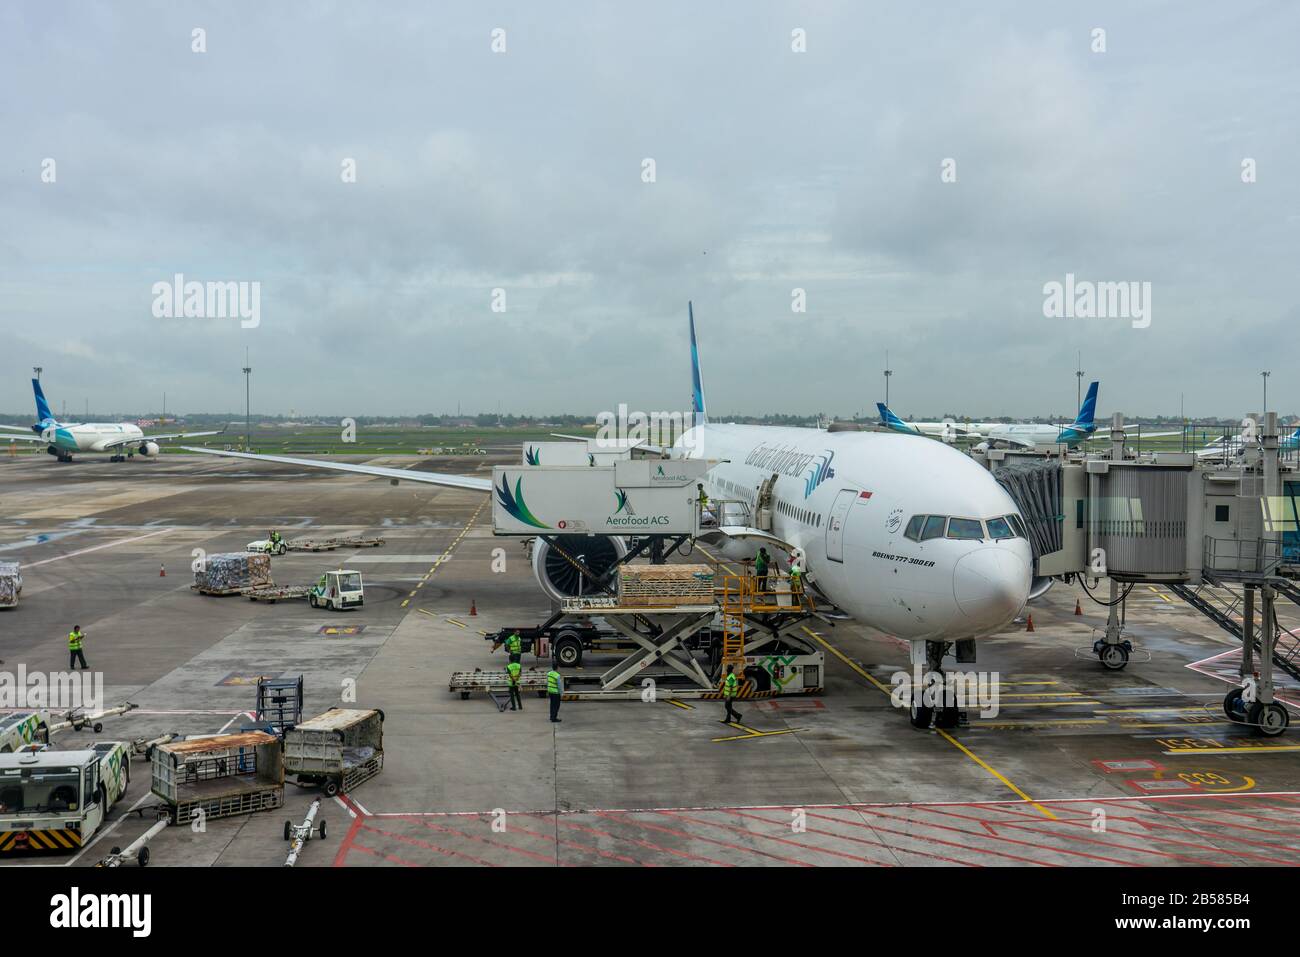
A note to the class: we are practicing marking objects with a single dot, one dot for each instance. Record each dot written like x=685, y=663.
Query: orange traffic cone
x=1078, y=609
x=1029, y=625
x=473, y=609
x=162, y=570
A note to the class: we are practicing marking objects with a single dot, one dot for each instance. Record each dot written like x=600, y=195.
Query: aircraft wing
x=157, y=438
x=639, y=447
x=29, y=437
x=17, y=428
x=1101, y=434
x=405, y=475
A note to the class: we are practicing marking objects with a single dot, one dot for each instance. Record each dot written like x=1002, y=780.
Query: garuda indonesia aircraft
x=63, y=438
x=912, y=538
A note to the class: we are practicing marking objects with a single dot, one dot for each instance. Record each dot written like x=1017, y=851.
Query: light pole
x=1078, y=385
x=38, y=370
x=888, y=373
x=1264, y=376
x=248, y=429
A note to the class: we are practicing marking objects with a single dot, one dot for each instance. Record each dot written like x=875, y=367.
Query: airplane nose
x=991, y=585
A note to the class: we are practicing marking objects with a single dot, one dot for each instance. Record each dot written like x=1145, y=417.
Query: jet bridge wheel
x=1269, y=720
x=1114, y=657
x=1233, y=707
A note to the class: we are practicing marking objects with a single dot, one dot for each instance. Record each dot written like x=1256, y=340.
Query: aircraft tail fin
x=697, y=383
x=43, y=414
x=1084, y=420
x=892, y=421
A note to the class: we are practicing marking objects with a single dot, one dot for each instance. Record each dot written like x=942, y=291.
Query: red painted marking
x=933, y=840
x=346, y=844
x=864, y=495
x=780, y=840
x=582, y=847
x=442, y=829
x=445, y=851
x=858, y=840
x=391, y=858
x=1098, y=841
x=1257, y=817
x=1009, y=840
x=640, y=843
x=622, y=816
x=1156, y=837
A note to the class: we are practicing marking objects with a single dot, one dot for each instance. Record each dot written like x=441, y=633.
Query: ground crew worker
x=514, y=646
x=512, y=671
x=702, y=496
x=75, y=654
x=761, y=561
x=730, y=688
x=796, y=578
x=554, y=689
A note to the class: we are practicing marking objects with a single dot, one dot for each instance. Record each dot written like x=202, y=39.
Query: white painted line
x=95, y=548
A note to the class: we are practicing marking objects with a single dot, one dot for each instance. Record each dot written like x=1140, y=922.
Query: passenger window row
x=922, y=528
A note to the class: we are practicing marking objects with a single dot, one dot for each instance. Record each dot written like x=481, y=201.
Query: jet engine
x=558, y=575
x=148, y=449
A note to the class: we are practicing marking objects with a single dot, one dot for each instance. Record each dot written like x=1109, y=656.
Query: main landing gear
x=932, y=704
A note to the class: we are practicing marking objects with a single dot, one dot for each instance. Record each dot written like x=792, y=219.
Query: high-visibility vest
x=513, y=644
x=74, y=640
x=760, y=564
x=552, y=682
x=704, y=499
x=514, y=668
x=729, y=686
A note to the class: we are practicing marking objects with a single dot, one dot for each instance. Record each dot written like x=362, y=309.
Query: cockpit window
x=1000, y=528
x=1018, y=525
x=933, y=527
x=914, y=528
x=965, y=528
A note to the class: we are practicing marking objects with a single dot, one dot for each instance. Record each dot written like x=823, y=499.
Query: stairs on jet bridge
x=1220, y=610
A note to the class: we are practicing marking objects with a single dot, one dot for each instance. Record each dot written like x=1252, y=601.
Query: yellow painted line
x=1188, y=725
x=1049, y=723
x=458, y=623
x=425, y=611
x=944, y=734
x=406, y=602
x=1152, y=710
x=1045, y=704
x=758, y=734
x=1043, y=694
x=679, y=704
x=1267, y=747
x=463, y=532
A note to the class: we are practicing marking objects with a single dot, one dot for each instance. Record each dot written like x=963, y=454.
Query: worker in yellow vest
x=75, y=654
x=512, y=672
x=554, y=689
x=731, y=688
x=514, y=646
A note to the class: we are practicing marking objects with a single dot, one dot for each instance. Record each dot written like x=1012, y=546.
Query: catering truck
x=54, y=801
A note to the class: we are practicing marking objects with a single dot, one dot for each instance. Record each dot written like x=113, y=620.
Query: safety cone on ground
x=162, y=570
x=473, y=609
x=1078, y=609
x=1029, y=624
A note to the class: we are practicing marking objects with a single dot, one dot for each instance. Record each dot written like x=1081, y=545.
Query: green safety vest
x=704, y=500
x=729, y=686
x=552, y=682
x=513, y=644
x=760, y=564
x=74, y=640
x=514, y=668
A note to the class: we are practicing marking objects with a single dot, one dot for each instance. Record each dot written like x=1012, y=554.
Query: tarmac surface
x=1079, y=766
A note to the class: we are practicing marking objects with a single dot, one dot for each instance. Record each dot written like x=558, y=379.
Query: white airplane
x=63, y=438
x=1235, y=446
x=912, y=538
x=949, y=430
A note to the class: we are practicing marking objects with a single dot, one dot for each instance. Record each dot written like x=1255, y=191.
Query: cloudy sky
x=774, y=170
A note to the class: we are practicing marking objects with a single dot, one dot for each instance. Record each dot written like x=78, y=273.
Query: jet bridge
x=1221, y=534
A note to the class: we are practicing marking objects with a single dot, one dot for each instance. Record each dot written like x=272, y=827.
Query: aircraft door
x=835, y=524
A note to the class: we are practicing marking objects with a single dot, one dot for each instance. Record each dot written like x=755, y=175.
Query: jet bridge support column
x=1113, y=649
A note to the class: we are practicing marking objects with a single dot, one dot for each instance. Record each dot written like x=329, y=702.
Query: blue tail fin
x=43, y=414
x=887, y=418
x=697, y=384
x=1088, y=410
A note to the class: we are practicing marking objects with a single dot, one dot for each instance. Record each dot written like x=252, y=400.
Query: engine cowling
x=558, y=576
x=148, y=449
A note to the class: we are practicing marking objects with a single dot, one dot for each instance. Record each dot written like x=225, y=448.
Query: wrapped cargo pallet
x=664, y=585
x=226, y=574
x=11, y=584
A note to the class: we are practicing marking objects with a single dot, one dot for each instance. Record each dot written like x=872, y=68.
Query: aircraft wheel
x=1114, y=657
x=1269, y=720
x=921, y=716
x=947, y=718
